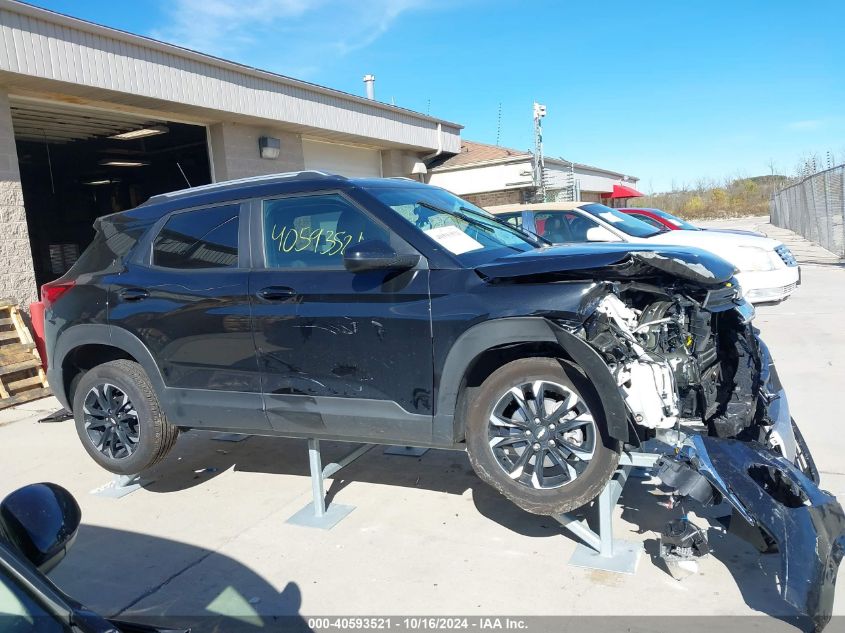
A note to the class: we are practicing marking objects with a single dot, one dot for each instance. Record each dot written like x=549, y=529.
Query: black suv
x=388, y=311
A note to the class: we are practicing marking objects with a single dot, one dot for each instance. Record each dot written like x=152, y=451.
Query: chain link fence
x=815, y=208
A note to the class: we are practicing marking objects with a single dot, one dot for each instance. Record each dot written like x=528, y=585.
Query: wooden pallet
x=22, y=377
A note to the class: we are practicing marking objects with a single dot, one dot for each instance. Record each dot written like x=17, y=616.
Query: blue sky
x=672, y=92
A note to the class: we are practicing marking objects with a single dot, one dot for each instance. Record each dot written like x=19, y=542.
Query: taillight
x=51, y=292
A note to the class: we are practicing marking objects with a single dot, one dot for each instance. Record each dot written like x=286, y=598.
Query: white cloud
x=217, y=26
x=807, y=124
x=283, y=35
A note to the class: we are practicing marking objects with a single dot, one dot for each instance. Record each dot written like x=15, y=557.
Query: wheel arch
x=83, y=347
x=488, y=345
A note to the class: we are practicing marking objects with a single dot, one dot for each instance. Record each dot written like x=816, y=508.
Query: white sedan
x=768, y=272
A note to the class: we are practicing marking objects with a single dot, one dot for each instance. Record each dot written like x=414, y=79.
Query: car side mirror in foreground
x=600, y=234
x=40, y=520
x=376, y=255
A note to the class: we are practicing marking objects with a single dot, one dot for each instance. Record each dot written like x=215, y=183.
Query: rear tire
x=564, y=432
x=119, y=419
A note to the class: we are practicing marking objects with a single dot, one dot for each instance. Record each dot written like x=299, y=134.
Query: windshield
x=469, y=232
x=618, y=220
x=681, y=224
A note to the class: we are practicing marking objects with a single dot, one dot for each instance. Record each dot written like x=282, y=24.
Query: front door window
x=314, y=231
x=561, y=227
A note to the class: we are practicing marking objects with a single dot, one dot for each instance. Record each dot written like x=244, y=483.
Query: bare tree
x=772, y=166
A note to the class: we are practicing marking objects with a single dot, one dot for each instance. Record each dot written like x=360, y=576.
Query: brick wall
x=234, y=151
x=17, y=275
x=493, y=198
x=591, y=196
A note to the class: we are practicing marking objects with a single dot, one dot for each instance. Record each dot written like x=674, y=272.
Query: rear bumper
x=57, y=385
x=55, y=376
x=769, y=286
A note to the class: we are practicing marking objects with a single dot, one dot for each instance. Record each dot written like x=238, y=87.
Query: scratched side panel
x=460, y=300
x=364, y=337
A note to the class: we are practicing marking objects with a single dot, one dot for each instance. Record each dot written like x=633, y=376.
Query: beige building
x=95, y=120
x=491, y=175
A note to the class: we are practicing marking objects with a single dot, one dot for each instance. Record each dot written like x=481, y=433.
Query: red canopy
x=621, y=191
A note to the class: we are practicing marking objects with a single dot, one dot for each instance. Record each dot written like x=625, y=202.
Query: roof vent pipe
x=370, y=85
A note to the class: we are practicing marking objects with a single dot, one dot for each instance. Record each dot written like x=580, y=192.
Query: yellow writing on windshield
x=291, y=240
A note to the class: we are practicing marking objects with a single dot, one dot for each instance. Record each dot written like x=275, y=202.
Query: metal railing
x=815, y=208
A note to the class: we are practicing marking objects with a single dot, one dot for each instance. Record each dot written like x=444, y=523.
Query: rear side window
x=114, y=239
x=203, y=238
x=97, y=257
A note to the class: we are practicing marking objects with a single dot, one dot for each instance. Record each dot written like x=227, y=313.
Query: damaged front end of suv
x=677, y=338
x=690, y=360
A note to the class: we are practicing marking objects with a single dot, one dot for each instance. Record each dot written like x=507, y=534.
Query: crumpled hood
x=612, y=260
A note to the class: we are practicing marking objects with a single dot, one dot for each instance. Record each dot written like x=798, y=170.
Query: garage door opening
x=345, y=160
x=78, y=164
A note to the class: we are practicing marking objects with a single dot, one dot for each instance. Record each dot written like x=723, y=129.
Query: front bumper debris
x=778, y=503
x=682, y=543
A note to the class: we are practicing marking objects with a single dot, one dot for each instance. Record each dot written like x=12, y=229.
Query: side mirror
x=40, y=520
x=600, y=234
x=376, y=255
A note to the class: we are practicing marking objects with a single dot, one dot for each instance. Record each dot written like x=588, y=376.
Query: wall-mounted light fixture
x=269, y=147
x=419, y=168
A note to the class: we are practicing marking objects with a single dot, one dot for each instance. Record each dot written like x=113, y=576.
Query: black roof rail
x=306, y=174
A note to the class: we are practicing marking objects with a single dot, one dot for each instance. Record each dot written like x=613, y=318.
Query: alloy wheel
x=542, y=434
x=111, y=421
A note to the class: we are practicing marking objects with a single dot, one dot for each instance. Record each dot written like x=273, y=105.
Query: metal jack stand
x=119, y=486
x=315, y=514
x=602, y=551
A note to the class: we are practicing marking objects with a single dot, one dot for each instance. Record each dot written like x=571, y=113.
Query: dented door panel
x=363, y=336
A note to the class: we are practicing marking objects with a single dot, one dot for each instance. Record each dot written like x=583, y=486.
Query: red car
x=660, y=219
x=667, y=222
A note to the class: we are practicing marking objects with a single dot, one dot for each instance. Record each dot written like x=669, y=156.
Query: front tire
x=536, y=433
x=119, y=419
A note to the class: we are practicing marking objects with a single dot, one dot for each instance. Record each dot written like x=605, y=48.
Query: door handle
x=276, y=293
x=133, y=294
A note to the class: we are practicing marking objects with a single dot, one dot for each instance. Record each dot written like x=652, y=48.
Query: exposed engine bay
x=680, y=360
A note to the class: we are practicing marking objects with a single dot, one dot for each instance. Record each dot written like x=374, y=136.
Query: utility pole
x=539, y=164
